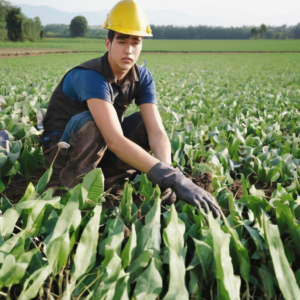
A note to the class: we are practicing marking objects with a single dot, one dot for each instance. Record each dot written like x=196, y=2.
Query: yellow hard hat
x=128, y=18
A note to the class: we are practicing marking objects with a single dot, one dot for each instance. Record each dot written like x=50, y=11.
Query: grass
x=83, y=44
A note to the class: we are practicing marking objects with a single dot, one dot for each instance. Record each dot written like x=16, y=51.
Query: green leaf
x=241, y=251
x=138, y=265
x=173, y=238
x=284, y=218
x=122, y=288
x=11, y=272
x=36, y=279
x=129, y=250
x=39, y=214
x=44, y=181
x=57, y=252
x=284, y=274
x=10, y=162
x=29, y=192
x=149, y=284
x=66, y=218
x=8, y=246
x=28, y=163
x=92, y=189
x=206, y=259
x=2, y=186
x=261, y=247
x=149, y=236
x=85, y=256
x=228, y=284
x=126, y=203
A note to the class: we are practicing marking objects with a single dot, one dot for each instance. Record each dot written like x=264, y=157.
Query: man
x=87, y=111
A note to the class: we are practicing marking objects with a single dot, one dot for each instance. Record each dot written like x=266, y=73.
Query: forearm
x=161, y=148
x=133, y=155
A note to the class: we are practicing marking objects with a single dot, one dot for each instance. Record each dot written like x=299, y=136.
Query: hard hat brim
x=122, y=30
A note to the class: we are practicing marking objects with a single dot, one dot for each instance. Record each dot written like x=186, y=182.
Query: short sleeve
x=81, y=84
x=91, y=84
x=147, y=93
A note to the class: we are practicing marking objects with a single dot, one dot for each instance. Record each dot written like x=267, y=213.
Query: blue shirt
x=81, y=84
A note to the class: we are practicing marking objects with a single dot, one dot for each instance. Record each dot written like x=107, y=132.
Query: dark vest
x=62, y=108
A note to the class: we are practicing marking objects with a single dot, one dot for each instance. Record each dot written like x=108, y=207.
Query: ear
x=107, y=44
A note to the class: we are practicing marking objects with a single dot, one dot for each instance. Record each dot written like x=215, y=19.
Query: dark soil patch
x=204, y=181
x=202, y=159
x=16, y=189
x=20, y=52
x=11, y=53
x=237, y=189
x=114, y=197
x=266, y=188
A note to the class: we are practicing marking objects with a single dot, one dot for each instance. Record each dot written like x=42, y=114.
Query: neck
x=117, y=71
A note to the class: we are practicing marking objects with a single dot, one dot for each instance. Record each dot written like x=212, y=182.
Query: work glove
x=167, y=177
x=168, y=197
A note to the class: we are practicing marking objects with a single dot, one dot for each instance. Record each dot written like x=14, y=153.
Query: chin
x=126, y=67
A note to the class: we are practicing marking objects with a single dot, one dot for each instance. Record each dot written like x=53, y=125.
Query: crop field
x=83, y=44
x=234, y=124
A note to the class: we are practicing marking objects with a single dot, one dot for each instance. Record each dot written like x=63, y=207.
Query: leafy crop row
x=236, y=117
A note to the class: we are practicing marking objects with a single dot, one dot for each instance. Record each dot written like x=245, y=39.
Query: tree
x=78, y=26
x=14, y=20
x=296, y=31
x=263, y=29
x=3, y=12
x=20, y=28
x=254, y=32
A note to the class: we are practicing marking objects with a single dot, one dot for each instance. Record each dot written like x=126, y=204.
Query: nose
x=128, y=49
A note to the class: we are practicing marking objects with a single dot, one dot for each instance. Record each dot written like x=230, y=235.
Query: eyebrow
x=124, y=37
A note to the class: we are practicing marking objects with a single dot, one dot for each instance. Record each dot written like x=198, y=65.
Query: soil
x=237, y=189
x=16, y=189
x=202, y=159
x=114, y=197
x=204, y=181
x=266, y=188
x=20, y=52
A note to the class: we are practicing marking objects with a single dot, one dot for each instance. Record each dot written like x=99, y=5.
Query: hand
x=168, y=197
x=168, y=177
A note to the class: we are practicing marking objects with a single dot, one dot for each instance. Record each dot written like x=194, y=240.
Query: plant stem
x=212, y=291
x=50, y=283
x=87, y=287
x=83, y=279
x=60, y=282
x=55, y=156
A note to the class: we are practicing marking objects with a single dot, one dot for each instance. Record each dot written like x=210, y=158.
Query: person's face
x=124, y=50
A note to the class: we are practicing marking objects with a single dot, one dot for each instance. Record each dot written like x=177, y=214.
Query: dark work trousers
x=88, y=150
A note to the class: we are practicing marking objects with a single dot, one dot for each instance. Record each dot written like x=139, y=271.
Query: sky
x=276, y=12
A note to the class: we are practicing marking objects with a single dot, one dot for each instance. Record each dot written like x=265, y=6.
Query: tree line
x=218, y=32
x=15, y=26
x=191, y=32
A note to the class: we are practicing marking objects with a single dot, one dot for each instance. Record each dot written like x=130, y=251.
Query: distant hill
x=49, y=15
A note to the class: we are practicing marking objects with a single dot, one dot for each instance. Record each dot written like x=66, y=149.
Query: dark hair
x=111, y=35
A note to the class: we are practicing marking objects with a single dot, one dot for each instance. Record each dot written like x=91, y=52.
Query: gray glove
x=168, y=197
x=167, y=177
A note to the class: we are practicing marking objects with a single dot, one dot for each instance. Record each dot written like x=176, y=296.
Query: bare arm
x=158, y=139
x=108, y=123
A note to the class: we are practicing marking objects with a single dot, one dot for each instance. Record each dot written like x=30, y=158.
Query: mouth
x=127, y=60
